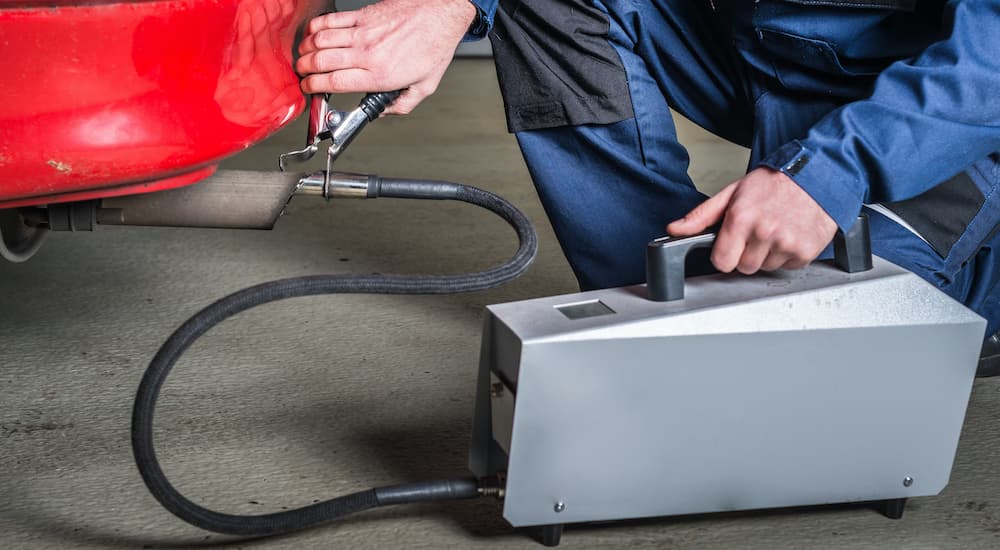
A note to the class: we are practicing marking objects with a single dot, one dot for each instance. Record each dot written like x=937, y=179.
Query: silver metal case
x=794, y=388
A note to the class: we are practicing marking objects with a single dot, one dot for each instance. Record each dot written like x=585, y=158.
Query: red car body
x=103, y=98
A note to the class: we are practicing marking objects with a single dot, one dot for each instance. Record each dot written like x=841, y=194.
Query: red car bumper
x=111, y=98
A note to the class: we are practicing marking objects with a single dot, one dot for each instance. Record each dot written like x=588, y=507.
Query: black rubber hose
x=375, y=104
x=293, y=520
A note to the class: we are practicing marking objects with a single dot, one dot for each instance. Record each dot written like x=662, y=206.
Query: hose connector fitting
x=339, y=185
x=495, y=486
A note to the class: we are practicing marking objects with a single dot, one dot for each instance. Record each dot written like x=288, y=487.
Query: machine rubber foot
x=892, y=508
x=551, y=534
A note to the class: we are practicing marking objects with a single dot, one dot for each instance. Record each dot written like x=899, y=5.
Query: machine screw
x=559, y=507
x=333, y=119
x=907, y=481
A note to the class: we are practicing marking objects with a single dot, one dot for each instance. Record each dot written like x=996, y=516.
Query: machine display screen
x=584, y=310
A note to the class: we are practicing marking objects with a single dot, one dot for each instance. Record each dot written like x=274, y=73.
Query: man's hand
x=768, y=223
x=392, y=45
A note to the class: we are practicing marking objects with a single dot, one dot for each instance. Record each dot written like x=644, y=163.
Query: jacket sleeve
x=484, y=20
x=928, y=118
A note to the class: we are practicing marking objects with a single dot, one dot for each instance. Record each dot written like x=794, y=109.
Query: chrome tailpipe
x=229, y=199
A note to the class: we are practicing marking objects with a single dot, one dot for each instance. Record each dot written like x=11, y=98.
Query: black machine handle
x=852, y=252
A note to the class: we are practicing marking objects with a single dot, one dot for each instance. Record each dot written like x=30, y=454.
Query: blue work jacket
x=919, y=87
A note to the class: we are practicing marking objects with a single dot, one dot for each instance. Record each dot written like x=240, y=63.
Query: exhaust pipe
x=230, y=199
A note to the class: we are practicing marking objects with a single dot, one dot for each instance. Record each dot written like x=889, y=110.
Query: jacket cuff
x=832, y=187
x=481, y=25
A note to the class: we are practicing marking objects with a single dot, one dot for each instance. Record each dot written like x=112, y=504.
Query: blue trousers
x=610, y=188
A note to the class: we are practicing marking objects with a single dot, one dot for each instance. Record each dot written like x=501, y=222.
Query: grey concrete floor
x=311, y=398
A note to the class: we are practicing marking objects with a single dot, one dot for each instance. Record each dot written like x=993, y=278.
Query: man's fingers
x=796, y=263
x=774, y=261
x=344, y=81
x=325, y=61
x=754, y=255
x=768, y=223
x=406, y=102
x=729, y=246
x=388, y=45
x=328, y=38
x=335, y=20
x=704, y=215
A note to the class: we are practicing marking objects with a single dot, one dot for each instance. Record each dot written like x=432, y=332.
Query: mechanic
x=893, y=104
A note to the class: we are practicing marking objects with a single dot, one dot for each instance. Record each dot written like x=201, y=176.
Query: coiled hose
x=301, y=518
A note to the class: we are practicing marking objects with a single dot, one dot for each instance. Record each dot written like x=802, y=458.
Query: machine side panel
x=499, y=351
x=626, y=428
x=482, y=434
